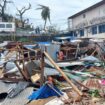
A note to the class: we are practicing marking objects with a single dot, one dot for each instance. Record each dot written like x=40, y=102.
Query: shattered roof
x=20, y=99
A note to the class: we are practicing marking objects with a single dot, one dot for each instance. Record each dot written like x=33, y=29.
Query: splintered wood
x=35, y=78
x=63, y=74
x=1, y=72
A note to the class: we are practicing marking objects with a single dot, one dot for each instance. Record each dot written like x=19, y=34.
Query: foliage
x=3, y=6
x=52, y=30
x=23, y=40
x=45, y=14
x=94, y=93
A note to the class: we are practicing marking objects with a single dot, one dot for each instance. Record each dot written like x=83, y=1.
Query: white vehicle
x=7, y=27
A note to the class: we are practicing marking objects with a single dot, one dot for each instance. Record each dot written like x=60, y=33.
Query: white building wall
x=97, y=12
x=80, y=21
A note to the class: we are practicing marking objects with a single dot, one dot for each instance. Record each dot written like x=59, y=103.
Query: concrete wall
x=90, y=19
x=97, y=12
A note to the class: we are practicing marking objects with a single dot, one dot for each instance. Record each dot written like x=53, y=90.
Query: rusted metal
x=93, y=83
x=12, y=79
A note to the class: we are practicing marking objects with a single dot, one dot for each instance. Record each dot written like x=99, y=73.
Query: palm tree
x=45, y=14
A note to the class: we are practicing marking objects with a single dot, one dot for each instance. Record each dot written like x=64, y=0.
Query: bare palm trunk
x=45, y=25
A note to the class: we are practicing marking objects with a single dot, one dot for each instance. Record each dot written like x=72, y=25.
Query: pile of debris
x=30, y=76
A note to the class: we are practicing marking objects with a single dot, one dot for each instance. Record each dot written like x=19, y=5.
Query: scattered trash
x=13, y=91
x=44, y=92
x=76, y=75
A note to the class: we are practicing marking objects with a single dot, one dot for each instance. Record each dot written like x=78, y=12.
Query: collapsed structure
x=78, y=78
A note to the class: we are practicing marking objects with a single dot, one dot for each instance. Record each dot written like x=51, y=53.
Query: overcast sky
x=60, y=10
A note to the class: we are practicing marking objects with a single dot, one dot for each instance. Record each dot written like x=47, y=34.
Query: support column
x=42, y=69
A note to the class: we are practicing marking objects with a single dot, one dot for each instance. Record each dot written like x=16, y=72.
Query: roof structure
x=88, y=9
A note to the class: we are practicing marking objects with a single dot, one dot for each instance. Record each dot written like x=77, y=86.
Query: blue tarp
x=44, y=92
x=63, y=38
x=44, y=43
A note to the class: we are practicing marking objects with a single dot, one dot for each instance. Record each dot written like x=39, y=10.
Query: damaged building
x=90, y=22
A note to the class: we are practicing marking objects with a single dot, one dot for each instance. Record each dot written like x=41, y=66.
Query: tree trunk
x=21, y=19
x=45, y=25
x=3, y=11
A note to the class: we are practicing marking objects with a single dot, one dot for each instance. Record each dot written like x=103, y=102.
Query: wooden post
x=29, y=56
x=21, y=71
x=22, y=52
x=63, y=74
x=77, y=50
x=42, y=70
x=24, y=69
x=94, y=52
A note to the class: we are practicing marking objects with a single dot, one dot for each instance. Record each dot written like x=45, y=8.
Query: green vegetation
x=94, y=93
x=23, y=40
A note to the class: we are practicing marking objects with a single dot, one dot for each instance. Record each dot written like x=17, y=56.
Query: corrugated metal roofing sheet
x=20, y=99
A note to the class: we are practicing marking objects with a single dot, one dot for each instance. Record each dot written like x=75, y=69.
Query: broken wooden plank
x=63, y=74
x=42, y=69
x=22, y=72
x=35, y=78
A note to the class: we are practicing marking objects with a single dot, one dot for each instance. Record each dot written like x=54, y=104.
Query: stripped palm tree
x=45, y=14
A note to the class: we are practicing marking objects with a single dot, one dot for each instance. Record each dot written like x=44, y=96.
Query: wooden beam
x=22, y=72
x=42, y=70
x=12, y=79
x=63, y=74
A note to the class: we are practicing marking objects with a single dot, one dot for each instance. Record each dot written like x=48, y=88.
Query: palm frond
x=45, y=13
x=38, y=8
x=42, y=6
